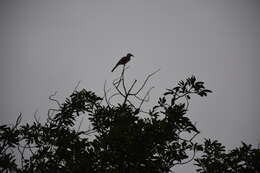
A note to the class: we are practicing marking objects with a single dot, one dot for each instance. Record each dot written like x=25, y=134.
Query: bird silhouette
x=123, y=60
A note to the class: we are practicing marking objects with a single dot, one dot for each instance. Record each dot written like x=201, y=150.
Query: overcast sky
x=50, y=45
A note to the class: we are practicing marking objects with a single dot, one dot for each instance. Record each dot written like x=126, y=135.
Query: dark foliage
x=216, y=159
x=122, y=138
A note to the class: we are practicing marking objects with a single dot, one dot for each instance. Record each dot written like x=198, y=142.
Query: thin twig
x=118, y=90
x=55, y=100
x=128, y=92
x=105, y=94
x=146, y=81
x=18, y=121
x=113, y=95
x=147, y=94
x=141, y=99
x=76, y=87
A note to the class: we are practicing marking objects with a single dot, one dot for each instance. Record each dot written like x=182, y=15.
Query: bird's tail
x=113, y=68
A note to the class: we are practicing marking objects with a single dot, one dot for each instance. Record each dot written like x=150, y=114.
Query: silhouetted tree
x=123, y=137
x=216, y=159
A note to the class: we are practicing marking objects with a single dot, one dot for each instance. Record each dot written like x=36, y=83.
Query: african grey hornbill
x=123, y=60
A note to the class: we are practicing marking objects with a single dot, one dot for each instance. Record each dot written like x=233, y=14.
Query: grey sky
x=48, y=46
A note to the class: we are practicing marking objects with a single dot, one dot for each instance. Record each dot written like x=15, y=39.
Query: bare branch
x=147, y=78
x=141, y=99
x=132, y=86
x=105, y=93
x=146, y=95
x=125, y=93
x=118, y=90
x=18, y=121
x=130, y=103
x=55, y=100
x=113, y=95
x=128, y=92
x=76, y=87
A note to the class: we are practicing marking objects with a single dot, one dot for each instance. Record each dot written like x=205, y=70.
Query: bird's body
x=123, y=60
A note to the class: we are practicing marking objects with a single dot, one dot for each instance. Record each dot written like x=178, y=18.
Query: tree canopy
x=123, y=137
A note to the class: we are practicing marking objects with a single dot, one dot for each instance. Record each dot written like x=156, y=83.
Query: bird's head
x=129, y=55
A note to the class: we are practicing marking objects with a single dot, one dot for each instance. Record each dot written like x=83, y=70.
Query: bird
x=123, y=60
